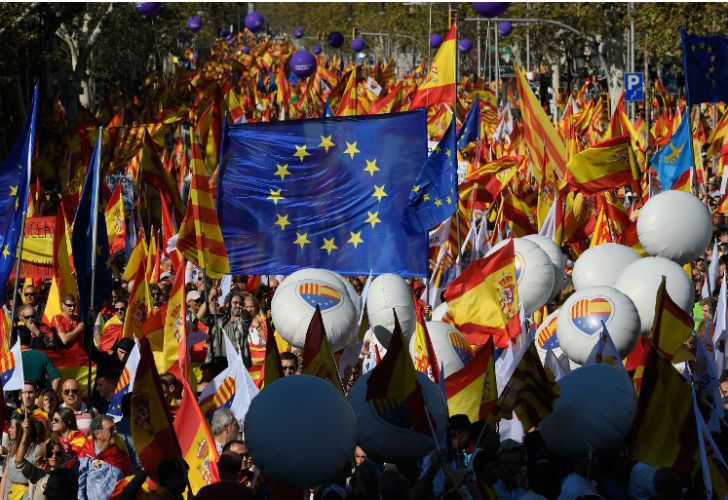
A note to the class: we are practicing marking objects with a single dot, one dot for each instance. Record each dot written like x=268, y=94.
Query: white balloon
x=295, y=302
x=327, y=276
x=439, y=312
x=641, y=280
x=601, y=265
x=555, y=256
x=451, y=348
x=674, y=225
x=378, y=432
x=534, y=274
x=389, y=291
x=580, y=321
x=300, y=430
x=593, y=413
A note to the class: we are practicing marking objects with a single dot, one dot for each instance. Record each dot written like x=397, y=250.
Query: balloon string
x=159, y=52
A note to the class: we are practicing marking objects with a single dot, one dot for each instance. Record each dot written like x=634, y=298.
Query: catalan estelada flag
x=483, y=301
x=199, y=237
x=151, y=427
x=317, y=360
x=196, y=442
x=439, y=85
x=393, y=390
x=608, y=165
x=472, y=390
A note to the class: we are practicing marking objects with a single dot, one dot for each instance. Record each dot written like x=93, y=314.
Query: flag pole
x=454, y=14
x=94, y=228
x=29, y=167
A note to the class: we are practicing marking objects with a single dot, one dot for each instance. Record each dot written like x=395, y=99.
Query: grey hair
x=220, y=419
x=97, y=423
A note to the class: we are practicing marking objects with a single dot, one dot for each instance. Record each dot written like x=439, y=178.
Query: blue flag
x=14, y=187
x=85, y=256
x=471, y=128
x=433, y=196
x=705, y=62
x=327, y=109
x=328, y=193
x=676, y=158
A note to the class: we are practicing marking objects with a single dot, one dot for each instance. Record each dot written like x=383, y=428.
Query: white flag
x=11, y=369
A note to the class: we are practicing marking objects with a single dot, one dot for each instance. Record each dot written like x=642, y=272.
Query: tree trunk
x=613, y=50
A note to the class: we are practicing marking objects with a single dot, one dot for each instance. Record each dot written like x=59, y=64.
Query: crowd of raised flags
x=175, y=229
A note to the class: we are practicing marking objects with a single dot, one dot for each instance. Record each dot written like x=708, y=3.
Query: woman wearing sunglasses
x=37, y=473
x=65, y=430
x=30, y=434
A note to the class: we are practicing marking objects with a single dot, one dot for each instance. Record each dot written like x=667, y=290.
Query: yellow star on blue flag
x=14, y=185
x=344, y=211
x=705, y=64
x=436, y=181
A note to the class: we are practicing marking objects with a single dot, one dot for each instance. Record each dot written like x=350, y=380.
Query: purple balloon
x=298, y=33
x=149, y=9
x=504, y=28
x=465, y=45
x=491, y=9
x=230, y=40
x=246, y=50
x=254, y=22
x=223, y=32
x=435, y=40
x=335, y=39
x=194, y=24
x=303, y=64
x=316, y=49
x=357, y=45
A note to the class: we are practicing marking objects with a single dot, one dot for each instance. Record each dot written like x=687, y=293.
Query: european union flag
x=90, y=212
x=433, y=197
x=14, y=187
x=705, y=61
x=676, y=158
x=471, y=128
x=328, y=193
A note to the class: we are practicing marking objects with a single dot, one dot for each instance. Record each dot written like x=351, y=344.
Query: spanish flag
x=393, y=385
x=472, y=391
x=199, y=237
x=196, y=442
x=140, y=302
x=137, y=257
x=272, y=362
x=154, y=175
x=174, y=332
x=423, y=355
x=151, y=428
x=63, y=281
x=115, y=223
x=317, y=359
x=483, y=301
x=671, y=328
x=608, y=165
x=439, y=85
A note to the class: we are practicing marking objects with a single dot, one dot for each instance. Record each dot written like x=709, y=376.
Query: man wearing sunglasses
x=41, y=335
x=71, y=394
x=113, y=328
x=68, y=325
x=31, y=298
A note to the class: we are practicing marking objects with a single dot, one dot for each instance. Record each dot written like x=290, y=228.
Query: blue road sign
x=634, y=86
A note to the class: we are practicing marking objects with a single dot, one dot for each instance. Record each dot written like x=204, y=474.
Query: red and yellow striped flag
x=539, y=133
x=200, y=237
x=439, y=85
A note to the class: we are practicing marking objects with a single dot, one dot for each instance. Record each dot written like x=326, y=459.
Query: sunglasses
x=288, y=368
x=68, y=392
x=70, y=306
x=57, y=454
x=29, y=294
x=28, y=317
x=120, y=309
x=56, y=420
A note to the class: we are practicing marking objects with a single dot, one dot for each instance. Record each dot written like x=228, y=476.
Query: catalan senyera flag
x=317, y=359
x=140, y=302
x=539, y=133
x=63, y=281
x=608, y=165
x=439, y=85
x=393, y=389
x=424, y=357
x=151, y=427
x=349, y=103
x=196, y=442
x=472, y=390
x=483, y=301
x=199, y=237
x=601, y=233
x=531, y=393
x=115, y=223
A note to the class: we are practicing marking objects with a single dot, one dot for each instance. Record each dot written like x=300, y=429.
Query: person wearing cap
x=167, y=277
